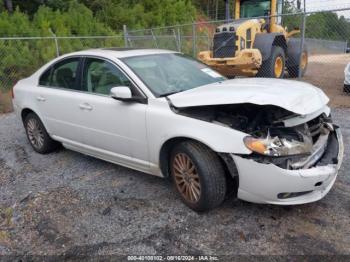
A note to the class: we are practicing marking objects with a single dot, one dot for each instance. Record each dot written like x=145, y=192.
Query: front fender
x=164, y=124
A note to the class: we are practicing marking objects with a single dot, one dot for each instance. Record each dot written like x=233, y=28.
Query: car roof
x=121, y=52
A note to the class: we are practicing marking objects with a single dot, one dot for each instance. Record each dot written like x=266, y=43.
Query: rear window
x=63, y=74
x=45, y=78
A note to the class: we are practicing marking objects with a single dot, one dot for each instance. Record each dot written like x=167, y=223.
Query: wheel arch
x=264, y=42
x=165, y=150
x=280, y=41
x=25, y=112
x=48, y=144
x=164, y=160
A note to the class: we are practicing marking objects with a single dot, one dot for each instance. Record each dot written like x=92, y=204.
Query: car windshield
x=255, y=8
x=166, y=74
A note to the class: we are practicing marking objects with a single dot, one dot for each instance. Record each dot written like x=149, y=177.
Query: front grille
x=315, y=126
x=292, y=194
x=224, y=45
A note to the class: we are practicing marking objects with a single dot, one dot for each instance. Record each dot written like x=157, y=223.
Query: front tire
x=198, y=175
x=274, y=67
x=37, y=135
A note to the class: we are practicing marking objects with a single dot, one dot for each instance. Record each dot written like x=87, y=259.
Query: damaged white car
x=162, y=113
x=347, y=79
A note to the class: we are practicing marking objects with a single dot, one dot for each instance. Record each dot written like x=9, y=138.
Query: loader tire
x=293, y=71
x=274, y=67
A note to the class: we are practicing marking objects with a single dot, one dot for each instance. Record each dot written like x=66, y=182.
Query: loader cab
x=259, y=8
x=255, y=8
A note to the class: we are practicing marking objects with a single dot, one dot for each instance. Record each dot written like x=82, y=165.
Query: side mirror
x=122, y=93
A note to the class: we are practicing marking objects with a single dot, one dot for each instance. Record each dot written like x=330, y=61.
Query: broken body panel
x=302, y=149
x=219, y=116
x=298, y=97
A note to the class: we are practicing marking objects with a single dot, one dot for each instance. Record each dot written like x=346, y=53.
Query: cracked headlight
x=275, y=146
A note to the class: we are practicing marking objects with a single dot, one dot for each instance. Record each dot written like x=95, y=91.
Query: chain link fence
x=20, y=57
x=316, y=51
x=324, y=35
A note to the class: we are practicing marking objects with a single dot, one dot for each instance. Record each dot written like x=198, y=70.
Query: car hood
x=294, y=96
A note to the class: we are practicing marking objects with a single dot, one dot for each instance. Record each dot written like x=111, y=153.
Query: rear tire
x=293, y=71
x=198, y=176
x=37, y=135
x=274, y=67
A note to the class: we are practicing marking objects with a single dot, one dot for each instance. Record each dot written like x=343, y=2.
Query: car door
x=115, y=130
x=58, y=96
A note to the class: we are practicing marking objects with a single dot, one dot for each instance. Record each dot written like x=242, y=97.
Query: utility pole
x=208, y=6
x=298, y=4
x=8, y=5
x=302, y=42
x=227, y=5
x=216, y=9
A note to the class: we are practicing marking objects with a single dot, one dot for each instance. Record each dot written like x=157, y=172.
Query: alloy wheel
x=186, y=177
x=35, y=133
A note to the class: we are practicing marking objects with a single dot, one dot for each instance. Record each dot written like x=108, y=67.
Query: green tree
x=19, y=58
x=142, y=14
x=327, y=25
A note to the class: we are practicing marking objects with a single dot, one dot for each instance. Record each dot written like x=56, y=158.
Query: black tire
x=293, y=71
x=346, y=89
x=210, y=172
x=267, y=68
x=46, y=144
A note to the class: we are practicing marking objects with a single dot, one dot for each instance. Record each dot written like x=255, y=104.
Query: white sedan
x=162, y=113
x=347, y=79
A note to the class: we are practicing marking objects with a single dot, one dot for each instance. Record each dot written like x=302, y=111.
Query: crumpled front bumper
x=265, y=183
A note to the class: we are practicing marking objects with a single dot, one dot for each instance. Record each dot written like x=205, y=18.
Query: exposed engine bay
x=271, y=141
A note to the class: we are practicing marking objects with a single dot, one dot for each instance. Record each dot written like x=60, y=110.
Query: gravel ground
x=69, y=203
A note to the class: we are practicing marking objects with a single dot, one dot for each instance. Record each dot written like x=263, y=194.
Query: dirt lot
x=68, y=203
x=5, y=102
x=327, y=72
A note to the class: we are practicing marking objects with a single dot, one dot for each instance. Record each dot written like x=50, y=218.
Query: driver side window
x=100, y=76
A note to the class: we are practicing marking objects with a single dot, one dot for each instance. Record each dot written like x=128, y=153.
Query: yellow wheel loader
x=256, y=47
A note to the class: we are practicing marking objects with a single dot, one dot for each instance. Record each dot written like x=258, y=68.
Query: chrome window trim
x=142, y=93
x=52, y=65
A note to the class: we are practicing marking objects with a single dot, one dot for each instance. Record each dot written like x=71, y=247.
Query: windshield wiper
x=170, y=93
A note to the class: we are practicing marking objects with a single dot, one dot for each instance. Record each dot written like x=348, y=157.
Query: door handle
x=85, y=106
x=41, y=99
